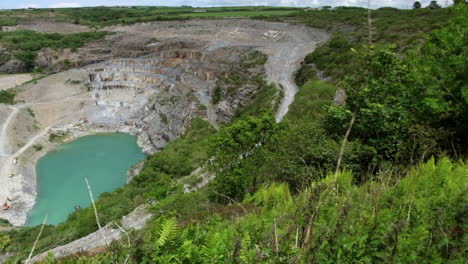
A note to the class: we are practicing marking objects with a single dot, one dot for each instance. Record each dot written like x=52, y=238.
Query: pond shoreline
x=104, y=158
x=24, y=193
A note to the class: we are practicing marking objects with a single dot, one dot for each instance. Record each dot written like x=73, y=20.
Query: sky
x=12, y=4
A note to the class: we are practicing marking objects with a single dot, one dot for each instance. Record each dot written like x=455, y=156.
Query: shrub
x=7, y=96
x=38, y=147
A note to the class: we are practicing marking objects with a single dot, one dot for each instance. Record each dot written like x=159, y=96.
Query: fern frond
x=168, y=231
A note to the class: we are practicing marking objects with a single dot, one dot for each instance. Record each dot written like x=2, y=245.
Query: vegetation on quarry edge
x=399, y=196
x=26, y=43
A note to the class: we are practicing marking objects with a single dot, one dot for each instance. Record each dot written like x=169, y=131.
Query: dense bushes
x=253, y=150
x=417, y=219
x=334, y=58
x=304, y=74
x=26, y=43
x=7, y=21
x=232, y=147
x=266, y=99
x=349, y=30
x=395, y=99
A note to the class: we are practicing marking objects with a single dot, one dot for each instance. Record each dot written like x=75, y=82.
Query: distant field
x=106, y=16
x=242, y=13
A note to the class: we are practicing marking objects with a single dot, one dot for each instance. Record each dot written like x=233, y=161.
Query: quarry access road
x=6, y=158
x=281, y=67
x=9, y=187
x=10, y=150
x=4, y=131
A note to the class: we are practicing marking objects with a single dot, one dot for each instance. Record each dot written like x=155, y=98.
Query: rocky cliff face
x=158, y=94
x=8, y=64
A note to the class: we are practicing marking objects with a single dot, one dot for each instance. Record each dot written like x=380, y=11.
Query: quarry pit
x=149, y=80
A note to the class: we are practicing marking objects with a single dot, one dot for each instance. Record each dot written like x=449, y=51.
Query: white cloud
x=28, y=6
x=64, y=4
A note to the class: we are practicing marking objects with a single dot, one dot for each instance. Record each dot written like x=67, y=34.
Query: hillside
x=368, y=165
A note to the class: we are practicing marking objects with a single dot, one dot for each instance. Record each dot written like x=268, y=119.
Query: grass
x=241, y=14
x=105, y=16
x=311, y=100
x=267, y=98
x=7, y=96
x=7, y=21
x=33, y=41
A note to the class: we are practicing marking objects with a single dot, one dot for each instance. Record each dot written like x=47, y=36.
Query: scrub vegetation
x=6, y=21
x=278, y=195
x=105, y=16
x=26, y=43
x=404, y=28
x=7, y=96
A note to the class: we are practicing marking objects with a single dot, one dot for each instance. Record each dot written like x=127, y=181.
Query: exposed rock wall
x=160, y=93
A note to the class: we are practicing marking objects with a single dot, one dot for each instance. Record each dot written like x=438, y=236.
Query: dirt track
x=12, y=80
x=21, y=186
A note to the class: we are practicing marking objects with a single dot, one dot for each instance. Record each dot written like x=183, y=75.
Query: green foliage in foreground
x=7, y=96
x=419, y=218
x=4, y=243
x=26, y=43
x=412, y=107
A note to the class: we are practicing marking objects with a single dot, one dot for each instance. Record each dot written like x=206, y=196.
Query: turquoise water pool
x=104, y=159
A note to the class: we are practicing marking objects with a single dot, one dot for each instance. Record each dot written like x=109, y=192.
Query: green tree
x=440, y=79
x=5, y=242
x=433, y=5
x=417, y=5
x=394, y=97
x=28, y=57
x=230, y=148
